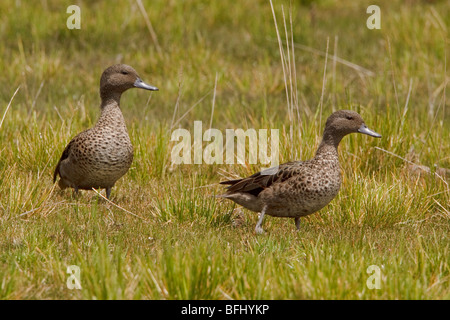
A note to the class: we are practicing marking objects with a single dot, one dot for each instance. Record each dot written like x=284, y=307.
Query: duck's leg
x=297, y=223
x=108, y=192
x=75, y=192
x=259, y=229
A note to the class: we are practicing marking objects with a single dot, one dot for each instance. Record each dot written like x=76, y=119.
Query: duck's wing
x=263, y=179
x=74, y=143
x=64, y=156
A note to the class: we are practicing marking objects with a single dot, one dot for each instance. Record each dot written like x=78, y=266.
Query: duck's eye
x=124, y=72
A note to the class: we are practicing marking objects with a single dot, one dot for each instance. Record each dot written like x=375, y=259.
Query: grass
x=167, y=236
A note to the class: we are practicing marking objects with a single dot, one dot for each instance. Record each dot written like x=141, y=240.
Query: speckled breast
x=304, y=194
x=108, y=159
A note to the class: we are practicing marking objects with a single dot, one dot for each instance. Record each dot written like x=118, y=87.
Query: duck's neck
x=328, y=146
x=111, y=115
x=109, y=97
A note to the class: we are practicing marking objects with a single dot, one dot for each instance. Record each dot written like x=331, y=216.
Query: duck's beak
x=365, y=130
x=141, y=84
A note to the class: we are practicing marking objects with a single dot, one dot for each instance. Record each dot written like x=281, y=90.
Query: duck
x=99, y=156
x=299, y=188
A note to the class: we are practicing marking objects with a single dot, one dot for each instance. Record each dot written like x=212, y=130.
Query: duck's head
x=119, y=78
x=344, y=122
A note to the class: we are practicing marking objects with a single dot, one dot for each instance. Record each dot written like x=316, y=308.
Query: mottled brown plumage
x=98, y=157
x=299, y=188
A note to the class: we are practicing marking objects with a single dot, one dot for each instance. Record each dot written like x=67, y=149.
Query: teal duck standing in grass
x=98, y=157
x=300, y=188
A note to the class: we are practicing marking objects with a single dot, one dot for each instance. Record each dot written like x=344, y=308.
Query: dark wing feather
x=64, y=155
x=258, y=181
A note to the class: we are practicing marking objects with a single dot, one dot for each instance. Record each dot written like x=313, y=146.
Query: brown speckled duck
x=98, y=157
x=300, y=188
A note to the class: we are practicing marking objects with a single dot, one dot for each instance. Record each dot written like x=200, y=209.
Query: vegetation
x=166, y=236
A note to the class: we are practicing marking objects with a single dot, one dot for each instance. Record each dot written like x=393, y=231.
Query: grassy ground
x=184, y=243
